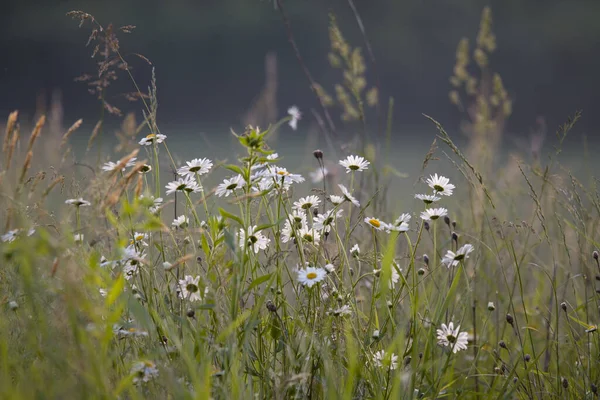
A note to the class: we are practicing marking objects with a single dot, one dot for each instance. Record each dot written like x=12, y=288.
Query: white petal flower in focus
x=431, y=214
x=311, y=275
x=440, y=184
x=229, y=186
x=450, y=337
x=189, y=289
x=306, y=203
x=198, y=166
x=186, y=184
x=427, y=198
x=181, y=222
x=375, y=223
x=255, y=240
x=451, y=259
x=347, y=196
x=354, y=163
x=151, y=138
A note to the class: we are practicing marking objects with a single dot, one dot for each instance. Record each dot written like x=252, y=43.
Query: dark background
x=209, y=55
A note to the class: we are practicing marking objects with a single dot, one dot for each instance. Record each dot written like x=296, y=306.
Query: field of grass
x=150, y=277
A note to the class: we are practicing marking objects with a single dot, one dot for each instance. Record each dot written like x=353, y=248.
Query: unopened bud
x=563, y=305
x=510, y=319
x=375, y=334
x=502, y=344
x=595, y=255
x=491, y=306
x=318, y=154
x=454, y=236
x=565, y=382
x=447, y=220
x=191, y=313
x=421, y=272
x=13, y=305
x=426, y=259
x=271, y=306
x=426, y=225
x=527, y=358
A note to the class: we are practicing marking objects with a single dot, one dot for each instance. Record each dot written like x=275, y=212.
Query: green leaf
x=235, y=169
x=115, y=290
x=226, y=214
x=258, y=281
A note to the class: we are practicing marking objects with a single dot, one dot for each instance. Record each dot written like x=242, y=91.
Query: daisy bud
x=454, y=236
x=199, y=260
x=375, y=334
x=340, y=298
x=453, y=224
x=598, y=277
x=318, y=154
x=167, y=266
x=595, y=255
x=426, y=259
x=407, y=360
x=447, y=220
x=316, y=212
x=191, y=313
x=271, y=306
x=491, y=306
x=563, y=305
x=377, y=272
x=497, y=371
x=426, y=225
x=502, y=344
x=13, y=305
x=421, y=272
x=591, y=329
x=510, y=319
x=527, y=358
x=278, y=292
x=594, y=388
x=565, y=382
x=389, y=304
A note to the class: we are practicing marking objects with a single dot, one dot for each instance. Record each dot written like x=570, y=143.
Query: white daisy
x=394, y=278
x=185, y=184
x=144, y=371
x=256, y=240
x=189, y=289
x=336, y=200
x=329, y=268
x=381, y=360
x=139, y=238
x=309, y=235
x=78, y=202
x=355, y=251
x=354, y=163
x=311, y=275
x=181, y=222
x=453, y=338
x=433, y=213
x=156, y=205
x=324, y=222
x=375, y=223
x=440, y=184
x=306, y=203
x=294, y=222
x=111, y=166
x=198, y=166
x=347, y=196
x=10, y=236
x=427, y=198
x=151, y=138
x=451, y=259
x=318, y=175
x=281, y=174
x=130, y=269
x=341, y=311
x=400, y=225
x=230, y=185
x=295, y=115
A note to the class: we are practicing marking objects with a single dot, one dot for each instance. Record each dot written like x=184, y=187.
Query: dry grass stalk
x=37, y=130
x=11, y=148
x=26, y=166
x=139, y=187
x=10, y=126
x=56, y=181
x=95, y=133
x=70, y=131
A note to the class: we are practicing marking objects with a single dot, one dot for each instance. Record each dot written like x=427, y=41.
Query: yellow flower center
x=282, y=172
x=375, y=222
x=311, y=275
x=139, y=237
x=151, y=136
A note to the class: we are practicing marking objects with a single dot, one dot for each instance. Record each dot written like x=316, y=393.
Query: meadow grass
x=119, y=283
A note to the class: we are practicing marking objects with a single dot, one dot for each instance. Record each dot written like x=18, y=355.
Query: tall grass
x=116, y=283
